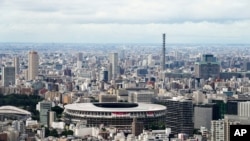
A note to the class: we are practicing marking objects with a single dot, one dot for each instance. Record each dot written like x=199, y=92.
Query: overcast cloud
x=125, y=21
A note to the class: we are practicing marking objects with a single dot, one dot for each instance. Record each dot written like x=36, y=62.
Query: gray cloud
x=132, y=20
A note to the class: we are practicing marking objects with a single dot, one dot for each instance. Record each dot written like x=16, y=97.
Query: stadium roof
x=13, y=110
x=115, y=107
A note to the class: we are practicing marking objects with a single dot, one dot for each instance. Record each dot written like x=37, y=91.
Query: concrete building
x=19, y=126
x=115, y=67
x=45, y=106
x=107, y=98
x=141, y=97
x=244, y=109
x=203, y=115
x=218, y=130
x=51, y=118
x=16, y=65
x=79, y=56
x=3, y=136
x=8, y=76
x=104, y=75
x=110, y=73
x=207, y=67
x=179, y=115
x=137, y=127
x=33, y=64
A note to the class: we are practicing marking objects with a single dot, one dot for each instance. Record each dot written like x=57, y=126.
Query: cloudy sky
x=125, y=21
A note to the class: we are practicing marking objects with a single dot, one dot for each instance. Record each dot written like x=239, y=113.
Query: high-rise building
x=110, y=74
x=79, y=56
x=179, y=115
x=204, y=114
x=33, y=65
x=218, y=130
x=104, y=75
x=207, y=67
x=115, y=67
x=243, y=109
x=45, y=106
x=79, y=60
x=51, y=117
x=8, y=76
x=163, y=52
x=122, y=54
x=16, y=65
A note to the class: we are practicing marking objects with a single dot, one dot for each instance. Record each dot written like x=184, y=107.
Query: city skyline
x=140, y=21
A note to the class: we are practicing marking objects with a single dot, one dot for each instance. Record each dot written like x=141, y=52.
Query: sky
x=125, y=21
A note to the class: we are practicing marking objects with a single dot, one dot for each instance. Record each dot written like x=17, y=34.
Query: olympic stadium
x=13, y=113
x=115, y=114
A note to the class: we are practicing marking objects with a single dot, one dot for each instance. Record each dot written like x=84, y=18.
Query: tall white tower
x=33, y=64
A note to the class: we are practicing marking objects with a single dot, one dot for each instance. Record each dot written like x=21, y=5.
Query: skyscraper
x=207, y=67
x=45, y=106
x=16, y=65
x=79, y=60
x=179, y=115
x=114, y=62
x=33, y=63
x=163, y=52
x=8, y=76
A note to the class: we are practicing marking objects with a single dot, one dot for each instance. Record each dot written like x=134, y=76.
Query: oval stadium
x=115, y=114
x=14, y=113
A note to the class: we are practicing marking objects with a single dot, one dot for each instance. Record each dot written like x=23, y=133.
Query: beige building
x=33, y=64
x=107, y=98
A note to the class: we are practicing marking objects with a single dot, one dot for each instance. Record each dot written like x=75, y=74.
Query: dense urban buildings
x=200, y=89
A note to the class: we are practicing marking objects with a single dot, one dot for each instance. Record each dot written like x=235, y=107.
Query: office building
x=207, y=67
x=244, y=109
x=110, y=71
x=45, y=106
x=79, y=60
x=204, y=114
x=79, y=56
x=115, y=67
x=104, y=75
x=179, y=115
x=107, y=98
x=8, y=76
x=141, y=97
x=3, y=136
x=33, y=64
x=16, y=65
x=218, y=130
x=137, y=127
x=141, y=72
x=51, y=118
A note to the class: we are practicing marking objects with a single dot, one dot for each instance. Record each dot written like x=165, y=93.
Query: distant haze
x=125, y=21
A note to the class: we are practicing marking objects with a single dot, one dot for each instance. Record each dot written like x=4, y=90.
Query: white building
x=218, y=130
x=141, y=97
x=244, y=109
